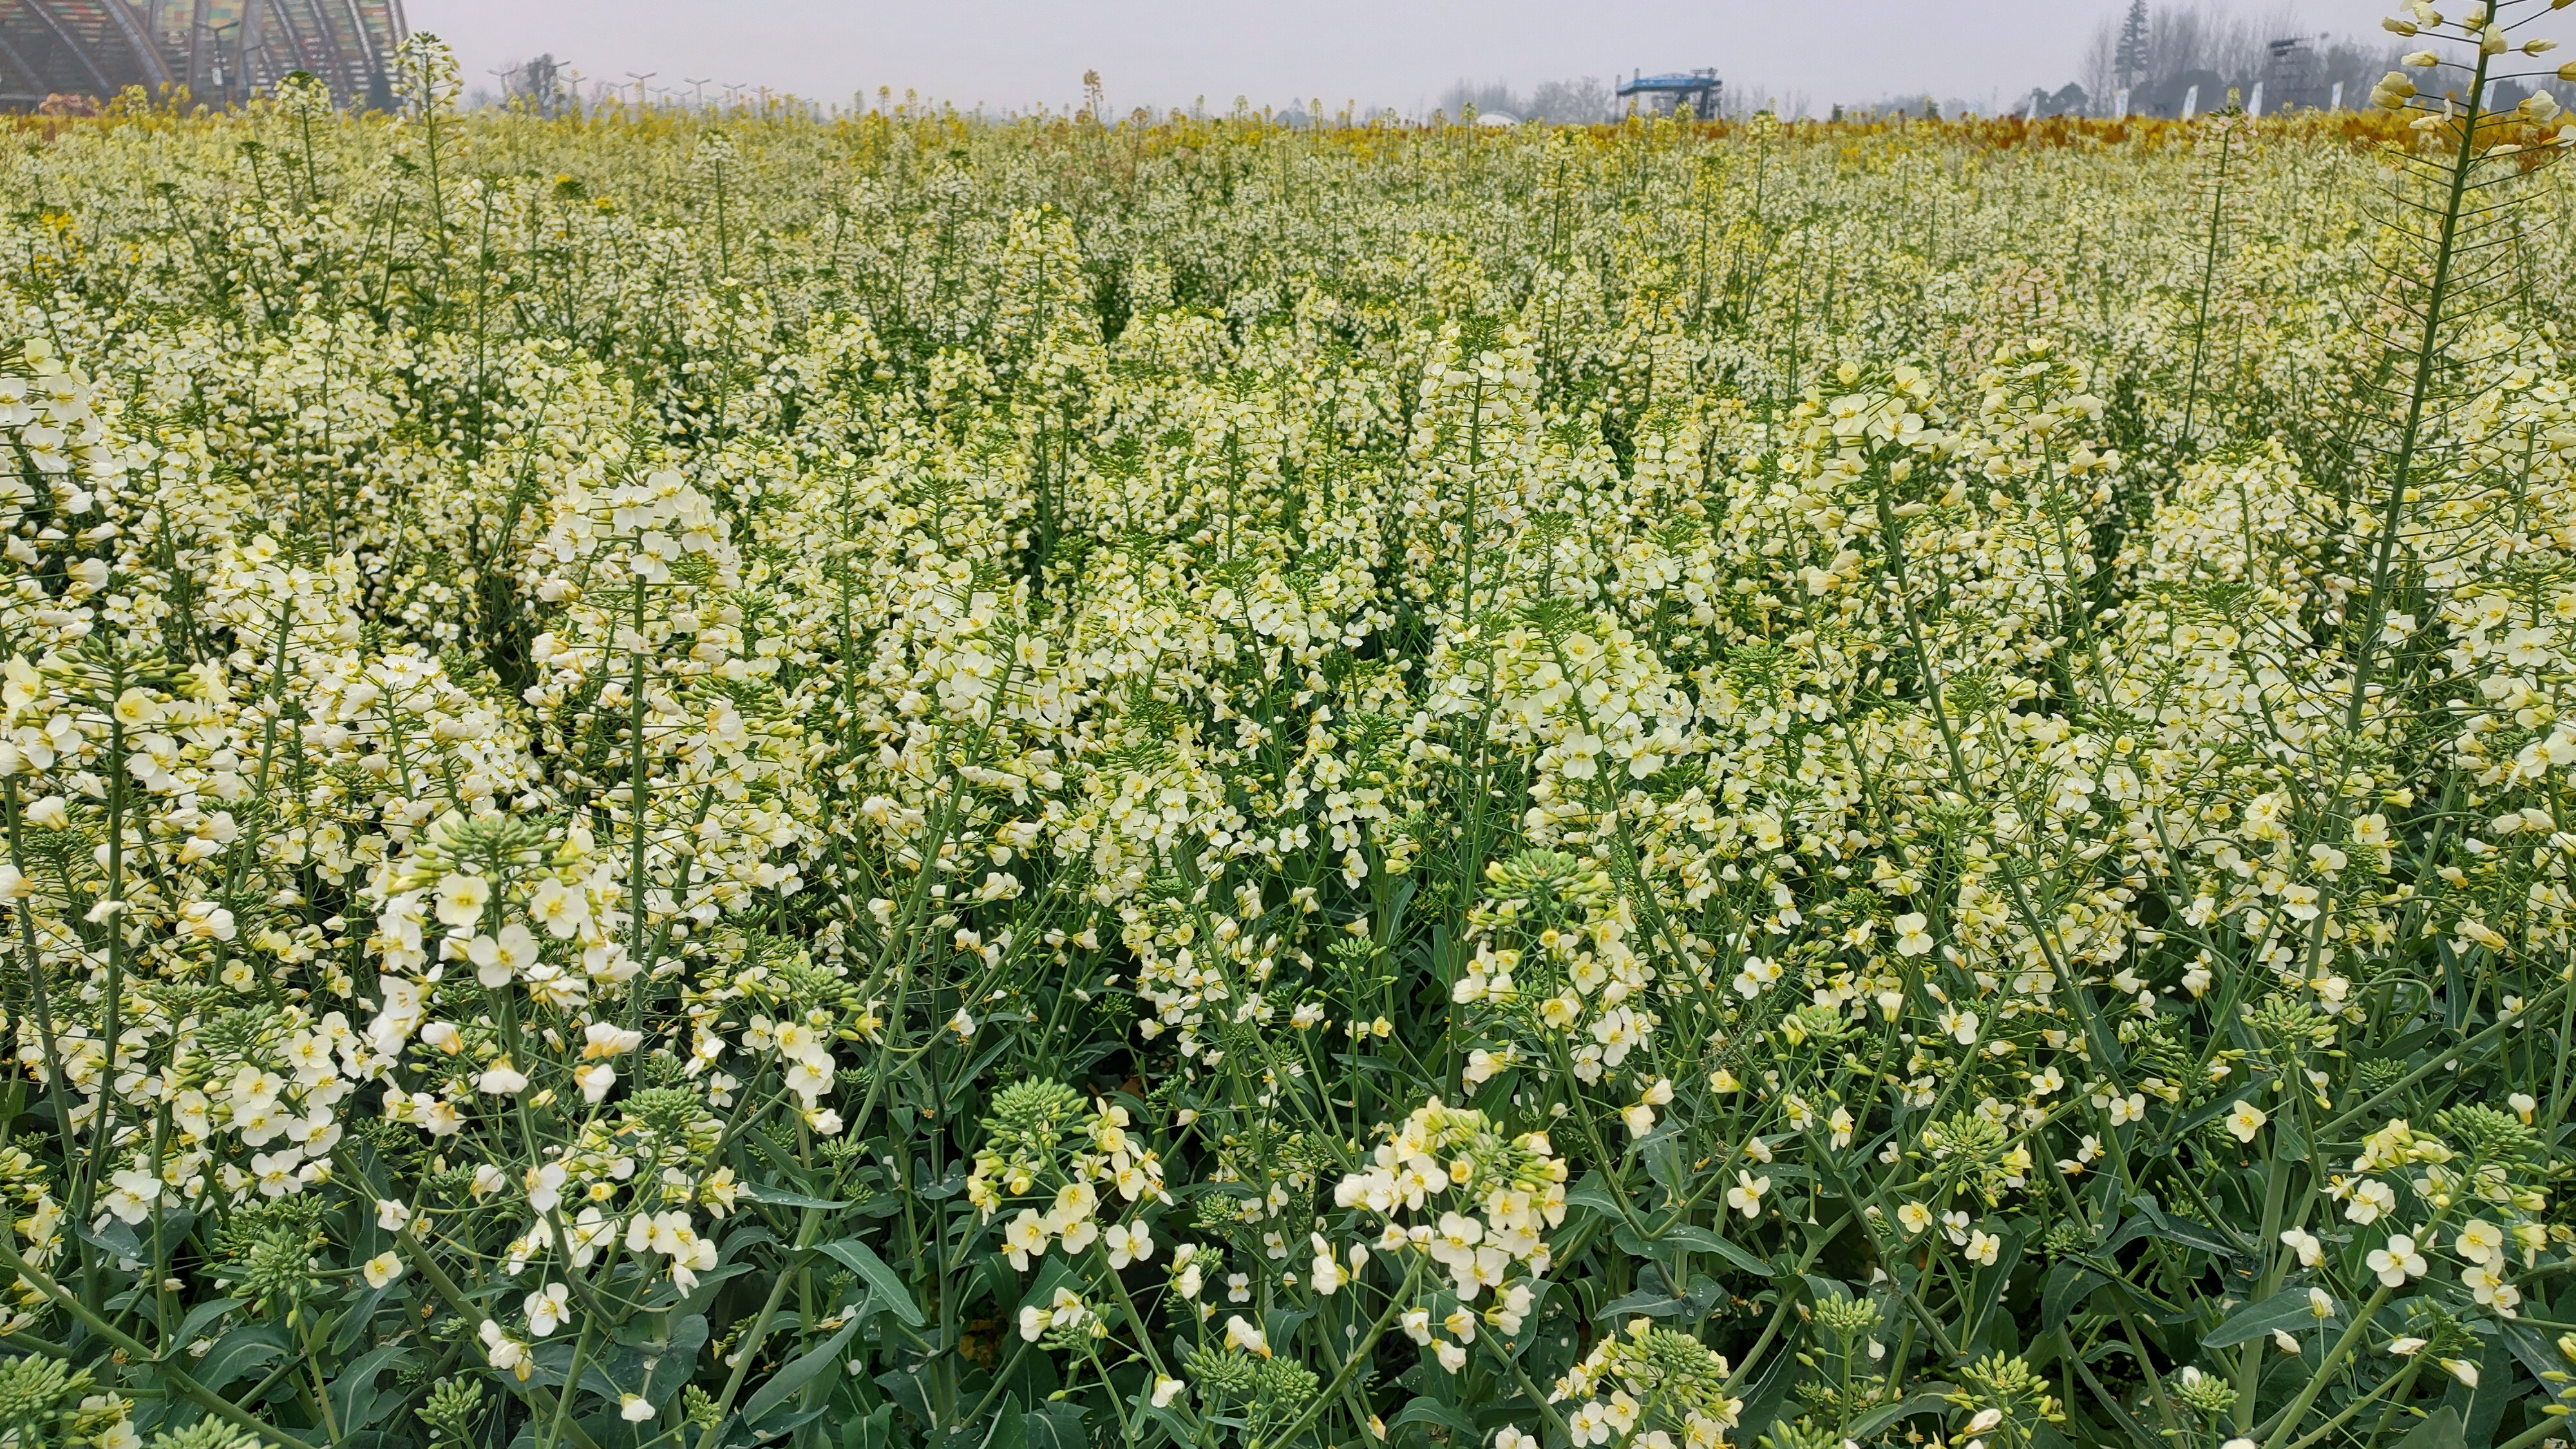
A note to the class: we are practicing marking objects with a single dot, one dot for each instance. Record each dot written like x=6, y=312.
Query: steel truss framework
x=221, y=51
x=1698, y=89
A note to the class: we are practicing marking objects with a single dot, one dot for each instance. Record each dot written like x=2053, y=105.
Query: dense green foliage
x=683, y=779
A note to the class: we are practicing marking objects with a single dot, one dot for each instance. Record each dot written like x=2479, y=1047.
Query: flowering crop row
x=682, y=781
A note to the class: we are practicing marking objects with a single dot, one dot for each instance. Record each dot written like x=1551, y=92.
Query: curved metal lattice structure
x=77, y=53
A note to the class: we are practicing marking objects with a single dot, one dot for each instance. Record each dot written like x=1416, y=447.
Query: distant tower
x=1697, y=89
x=223, y=51
x=2130, y=58
x=2289, y=71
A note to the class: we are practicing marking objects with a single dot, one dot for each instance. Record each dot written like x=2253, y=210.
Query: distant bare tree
x=1575, y=101
x=542, y=85
x=1488, y=97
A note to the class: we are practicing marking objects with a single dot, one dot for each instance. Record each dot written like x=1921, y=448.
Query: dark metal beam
x=281, y=50
x=365, y=63
x=371, y=58
x=249, y=37
x=147, y=51
x=63, y=35
x=200, y=44
x=327, y=36
x=301, y=45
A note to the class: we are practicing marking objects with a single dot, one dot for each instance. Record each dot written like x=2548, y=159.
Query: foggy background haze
x=1408, y=55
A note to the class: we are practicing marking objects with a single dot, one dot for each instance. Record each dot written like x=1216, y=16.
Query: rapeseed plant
x=694, y=779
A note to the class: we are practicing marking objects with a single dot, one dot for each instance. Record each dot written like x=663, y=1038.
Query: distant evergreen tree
x=2131, y=58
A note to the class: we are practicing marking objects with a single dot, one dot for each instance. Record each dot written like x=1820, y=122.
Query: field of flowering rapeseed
x=684, y=780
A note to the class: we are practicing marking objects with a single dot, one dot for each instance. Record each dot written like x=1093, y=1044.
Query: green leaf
x=1055, y=1425
x=1280, y=1325
x=1989, y=1283
x=768, y=1196
x=1053, y=1273
x=1544, y=1311
x=353, y=1389
x=2288, y=1309
x=1432, y=1411
x=2152, y=1219
x=2440, y=1430
x=1696, y=1240
x=2293, y=1141
x=905, y=1387
x=115, y=1237
x=1589, y=1193
x=235, y=1355
x=873, y=1432
x=784, y=1384
x=1173, y=1417
x=1824, y=1290
x=2195, y=1235
x=1929, y=1399
x=2068, y=1285
x=1008, y=1431
x=2139, y=1434
x=861, y=1259
x=1665, y=1163
x=201, y=1317
x=359, y=1316
x=1644, y=1303
x=1737, y=1256
x=1767, y=1397
x=668, y=1297
x=2482, y=1408
x=2531, y=1346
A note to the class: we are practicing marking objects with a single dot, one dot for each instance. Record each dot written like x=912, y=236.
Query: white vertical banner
x=2190, y=103
x=2254, y=105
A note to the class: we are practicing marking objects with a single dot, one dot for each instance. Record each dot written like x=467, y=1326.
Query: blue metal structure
x=1697, y=89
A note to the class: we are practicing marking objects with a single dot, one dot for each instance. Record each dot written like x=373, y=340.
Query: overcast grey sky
x=1401, y=53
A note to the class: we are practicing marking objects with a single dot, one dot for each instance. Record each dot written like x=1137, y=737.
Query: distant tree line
x=2162, y=54
x=1584, y=100
x=2165, y=56
x=1591, y=98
